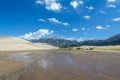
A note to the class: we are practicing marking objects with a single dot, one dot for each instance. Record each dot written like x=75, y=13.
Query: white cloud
x=54, y=20
x=50, y=4
x=82, y=29
x=108, y=26
x=102, y=12
x=76, y=3
x=54, y=7
x=81, y=2
x=111, y=1
x=111, y=6
x=87, y=17
x=76, y=39
x=39, y=2
x=80, y=39
x=42, y=20
x=66, y=24
x=101, y=28
x=116, y=19
x=58, y=22
x=71, y=39
x=37, y=35
x=90, y=7
x=75, y=29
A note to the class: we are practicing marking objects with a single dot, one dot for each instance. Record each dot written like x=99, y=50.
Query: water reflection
x=55, y=65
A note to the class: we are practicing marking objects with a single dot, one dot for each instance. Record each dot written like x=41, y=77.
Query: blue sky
x=71, y=19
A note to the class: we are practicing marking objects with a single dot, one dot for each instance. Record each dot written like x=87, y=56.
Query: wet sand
x=65, y=65
x=9, y=67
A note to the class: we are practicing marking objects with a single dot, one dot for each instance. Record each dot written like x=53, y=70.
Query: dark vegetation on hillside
x=114, y=40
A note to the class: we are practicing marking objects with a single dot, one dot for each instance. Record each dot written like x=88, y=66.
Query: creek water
x=61, y=65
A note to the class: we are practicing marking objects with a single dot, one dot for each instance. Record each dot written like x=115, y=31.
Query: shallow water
x=61, y=65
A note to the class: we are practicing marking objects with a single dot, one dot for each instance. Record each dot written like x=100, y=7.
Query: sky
x=70, y=19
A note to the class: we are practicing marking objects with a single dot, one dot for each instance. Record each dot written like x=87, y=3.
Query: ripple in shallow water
x=21, y=57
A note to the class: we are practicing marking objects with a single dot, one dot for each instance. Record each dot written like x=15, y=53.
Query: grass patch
x=100, y=48
x=111, y=49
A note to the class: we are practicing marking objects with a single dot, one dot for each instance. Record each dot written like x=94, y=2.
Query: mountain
x=13, y=43
x=114, y=40
x=56, y=42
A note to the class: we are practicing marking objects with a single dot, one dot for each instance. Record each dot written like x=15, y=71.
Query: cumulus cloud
x=54, y=20
x=42, y=20
x=54, y=7
x=39, y=2
x=90, y=7
x=76, y=3
x=50, y=4
x=116, y=19
x=66, y=24
x=75, y=29
x=37, y=35
x=87, y=17
x=101, y=28
x=111, y=6
x=82, y=29
x=76, y=39
x=108, y=26
x=110, y=3
x=81, y=2
x=102, y=12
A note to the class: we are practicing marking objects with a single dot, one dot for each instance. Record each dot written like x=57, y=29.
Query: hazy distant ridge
x=114, y=40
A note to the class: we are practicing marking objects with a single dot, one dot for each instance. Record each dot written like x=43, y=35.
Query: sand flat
x=63, y=65
x=10, y=66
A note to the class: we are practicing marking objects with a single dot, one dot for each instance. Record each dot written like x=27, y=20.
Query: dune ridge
x=13, y=43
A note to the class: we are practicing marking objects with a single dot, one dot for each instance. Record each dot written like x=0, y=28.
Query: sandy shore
x=59, y=65
x=9, y=66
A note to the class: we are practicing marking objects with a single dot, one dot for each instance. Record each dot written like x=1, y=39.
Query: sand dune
x=14, y=43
